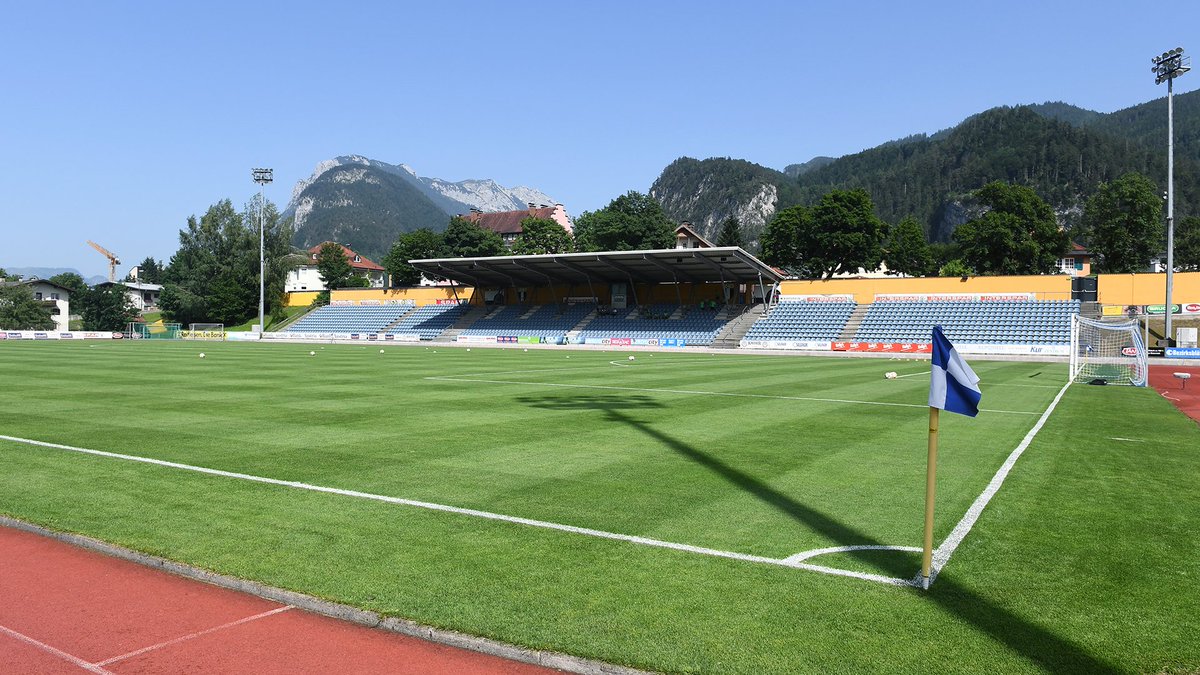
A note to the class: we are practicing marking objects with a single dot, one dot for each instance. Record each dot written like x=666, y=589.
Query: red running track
x=1185, y=395
x=64, y=609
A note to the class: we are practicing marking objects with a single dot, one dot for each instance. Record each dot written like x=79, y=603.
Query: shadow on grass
x=1023, y=637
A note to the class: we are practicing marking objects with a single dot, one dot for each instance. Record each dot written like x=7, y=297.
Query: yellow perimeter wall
x=1112, y=289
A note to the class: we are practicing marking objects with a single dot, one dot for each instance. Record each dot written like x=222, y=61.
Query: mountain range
x=1064, y=152
x=365, y=204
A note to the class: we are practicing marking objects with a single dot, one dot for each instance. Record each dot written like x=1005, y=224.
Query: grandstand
x=351, y=318
x=1004, y=322
x=790, y=320
x=540, y=321
x=426, y=323
x=696, y=326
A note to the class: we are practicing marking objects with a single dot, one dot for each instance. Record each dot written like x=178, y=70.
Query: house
x=51, y=295
x=306, y=277
x=687, y=237
x=144, y=297
x=507, y=224
x=1077, y=263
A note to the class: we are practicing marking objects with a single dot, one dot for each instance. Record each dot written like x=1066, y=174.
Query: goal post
x=205, y=331
x=1107, y=352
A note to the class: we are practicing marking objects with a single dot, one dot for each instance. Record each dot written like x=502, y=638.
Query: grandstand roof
x=696, y=265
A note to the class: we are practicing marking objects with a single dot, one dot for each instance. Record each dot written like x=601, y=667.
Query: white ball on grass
x=891, y=375
x=201, y=354
x=631, y=357
x=312, y=353
x=380, y=351
x=468, y=349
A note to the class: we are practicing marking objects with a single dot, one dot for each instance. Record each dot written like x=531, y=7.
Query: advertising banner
x=787, y=344
x=1183, y=353
x=953, y=297
x=241, y=336
x=883, y=347
x=42, y=335
x=817, y=298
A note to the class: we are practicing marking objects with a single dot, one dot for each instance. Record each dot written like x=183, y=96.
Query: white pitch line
x=693, y=392
x=1128, y=440
x=601, y=534
x=913, y=374
x=942, y=555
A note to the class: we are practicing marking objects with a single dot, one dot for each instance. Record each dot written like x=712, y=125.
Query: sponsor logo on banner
x=620, y=342
x=1161, y=309
x=817, y=298
x=506, y=339
x=883, y=347
x=953, y=297
x=41, y=336
x=1183, y=352
x=1191, y=308
x=1129, y=351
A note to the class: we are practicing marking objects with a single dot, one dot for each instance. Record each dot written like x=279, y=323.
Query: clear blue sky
x=118, y=120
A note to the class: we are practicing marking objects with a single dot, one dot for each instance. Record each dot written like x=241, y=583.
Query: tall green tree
x=107, y=307
x=907, y=252
x=19, y=310
x=781, y=237
x=1187, y=244
x=465, y=239
x=542, y=235
x=333, y=265
x=419, y=244
x=631, y=222
x=3, y=274
x=72, y=282
x=731, y=233
x=1123, y=224
x=847, y=235
x=1017, y=235
x=213, y=277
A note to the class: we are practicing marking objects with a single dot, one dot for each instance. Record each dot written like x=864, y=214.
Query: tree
x=781, y=237
x=19, y=310
x=465, y=239
x=416, y=245
x=1187, y=244
x=72, y=282
x=731, y=233
x=955, y=268
x=542, y=235
x=3, y=274
x=107, y=307
x=1123, y=224
x=150, y=271
x=631, y=222
x=846, y=235
x=907, y=251
x=213, y=277
x=1017, y=235
x=333, y=265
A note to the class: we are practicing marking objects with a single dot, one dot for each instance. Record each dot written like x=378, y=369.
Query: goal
x=1107, y=353
x=205, y=331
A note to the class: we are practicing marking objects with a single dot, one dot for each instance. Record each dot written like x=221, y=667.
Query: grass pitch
x=1080, y=563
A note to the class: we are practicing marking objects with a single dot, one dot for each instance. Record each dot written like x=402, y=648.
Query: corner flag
x=953, y=385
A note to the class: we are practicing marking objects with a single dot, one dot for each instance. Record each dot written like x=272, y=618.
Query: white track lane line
x=75, y=660
x=192, y=636
x=692, y=392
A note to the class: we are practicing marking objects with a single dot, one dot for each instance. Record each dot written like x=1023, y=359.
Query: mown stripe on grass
x=644, y=541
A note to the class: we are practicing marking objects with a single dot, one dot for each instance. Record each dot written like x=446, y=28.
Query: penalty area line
x=487, y=515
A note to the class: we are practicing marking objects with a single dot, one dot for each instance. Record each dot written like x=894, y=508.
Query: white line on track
x=92, y=668
x=693, y=392
x=197, y=634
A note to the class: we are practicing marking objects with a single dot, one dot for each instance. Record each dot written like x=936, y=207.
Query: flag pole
x=930, y=485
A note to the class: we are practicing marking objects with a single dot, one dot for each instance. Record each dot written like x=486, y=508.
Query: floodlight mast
x=1168, y=66
x=262, y=177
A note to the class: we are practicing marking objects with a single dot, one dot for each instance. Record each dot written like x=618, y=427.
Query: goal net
x=1111, y=353
x=205, y=331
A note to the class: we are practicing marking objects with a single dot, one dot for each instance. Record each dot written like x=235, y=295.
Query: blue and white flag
x=953, y=385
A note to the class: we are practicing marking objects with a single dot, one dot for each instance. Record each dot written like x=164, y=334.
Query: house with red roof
x=306, y=277
x=507, y=224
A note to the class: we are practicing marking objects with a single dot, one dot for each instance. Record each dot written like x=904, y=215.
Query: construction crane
x=113, y=260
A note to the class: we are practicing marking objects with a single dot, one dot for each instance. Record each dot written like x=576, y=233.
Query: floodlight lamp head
x=263, y=176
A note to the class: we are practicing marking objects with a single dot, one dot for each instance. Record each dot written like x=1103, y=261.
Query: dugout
x=621, y=279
